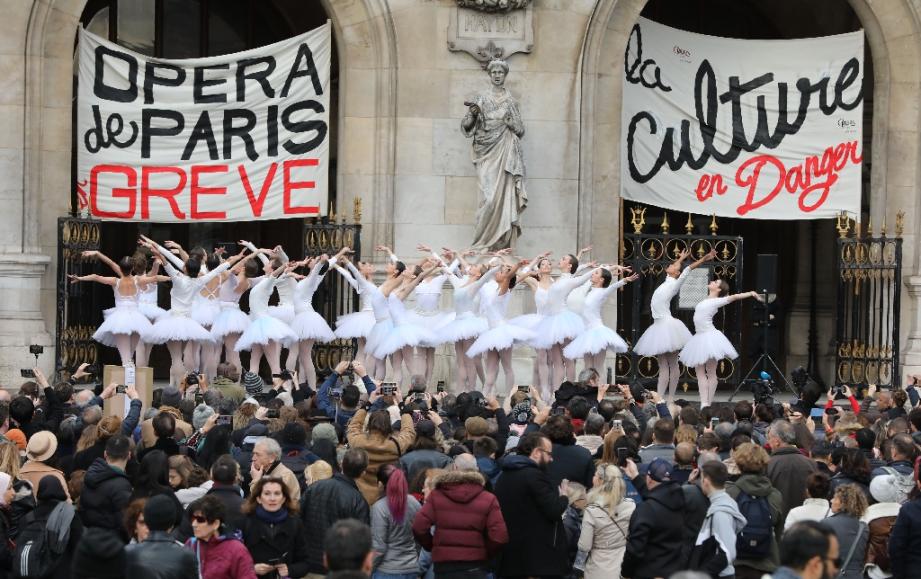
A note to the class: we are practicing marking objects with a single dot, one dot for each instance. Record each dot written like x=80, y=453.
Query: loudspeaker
x=766, y=278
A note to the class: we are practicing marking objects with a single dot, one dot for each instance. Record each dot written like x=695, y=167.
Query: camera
x=524, y=388
x=617, y=424
x=762, y=389
x=191, y=379
x=419, y=396
x=224, y=419
x=440, y=387
x=121, y=389
x=36, y=350
x=335, y=393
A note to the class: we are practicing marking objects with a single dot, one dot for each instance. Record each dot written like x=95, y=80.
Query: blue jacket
x=333, y=410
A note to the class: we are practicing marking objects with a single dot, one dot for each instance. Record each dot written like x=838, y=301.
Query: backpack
x=754, y=540
x=905, y=483
x=41, y=542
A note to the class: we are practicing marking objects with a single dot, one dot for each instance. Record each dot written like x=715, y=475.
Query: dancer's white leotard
x=707, y=343
x=666, y=334
x=357, y=324
x=596, y=337
x=263, y=328
x=307, y=323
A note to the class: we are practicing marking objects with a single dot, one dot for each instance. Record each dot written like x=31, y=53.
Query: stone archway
x=893, y=32
x=366, y=43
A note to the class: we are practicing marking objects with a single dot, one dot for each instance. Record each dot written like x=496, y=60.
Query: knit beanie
x=252, y=382
x=200, y=415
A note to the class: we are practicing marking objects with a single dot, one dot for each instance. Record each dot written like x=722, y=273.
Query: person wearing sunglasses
x=219, y=556
x=273, y=532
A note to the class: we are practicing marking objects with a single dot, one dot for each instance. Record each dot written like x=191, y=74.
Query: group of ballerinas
x=205, y=321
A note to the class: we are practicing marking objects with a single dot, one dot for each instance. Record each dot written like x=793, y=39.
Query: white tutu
x=107, y=312
x=176, y=327
x=380, y=331
x=556, y=329
x=355, y=325
x=594, y=340
x=231, y=320
x=205, y=312
x=664, y=336
x=263, y=330
x=152, y=311
x=528, y=321
x=310, y=325
x=468, y=325
x=705, y=346
x=499, y=338
x=407, y=334
x=432, y=324
x=283, y=313
x=122, y=321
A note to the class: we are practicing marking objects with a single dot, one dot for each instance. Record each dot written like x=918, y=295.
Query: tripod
x=765, y=358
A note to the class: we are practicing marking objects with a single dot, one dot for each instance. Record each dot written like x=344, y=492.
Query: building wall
x=401, y=148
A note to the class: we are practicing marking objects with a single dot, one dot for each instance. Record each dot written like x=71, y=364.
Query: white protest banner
x=238, y=137
x=761, y=129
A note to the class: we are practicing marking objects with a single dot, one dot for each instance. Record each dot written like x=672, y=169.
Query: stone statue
x=494, y=122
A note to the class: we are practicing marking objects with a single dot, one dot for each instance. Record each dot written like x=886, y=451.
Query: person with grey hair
x=788, y=469
x=267, y=462
x=212, y=397
x=417, y=383
x=200, y=415
x=592, y=431
x=465, y=461
x=82, y=398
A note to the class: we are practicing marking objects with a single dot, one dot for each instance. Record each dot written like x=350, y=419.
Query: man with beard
x=808, y=550
x=532, y=507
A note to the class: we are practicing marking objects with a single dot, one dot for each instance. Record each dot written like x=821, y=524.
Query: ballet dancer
x=708, y=345
x=265, y=333
x=539, y=281
x=382, y=322
x=427, y=312
x=230, y=324
x=124, y=326
x=467, y=325
x=667, y=335
x=357, y=325
x=497, y=342
x=569, y=266
x=308, y=325
x=178, y=330
x=404, y=334
x=593, y=343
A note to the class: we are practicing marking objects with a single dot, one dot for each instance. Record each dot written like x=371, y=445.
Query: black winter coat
x=160, y=557
x=106, y=492
x=573, y=463
x=656, y=541
x=6, y=554
x=324, y=503
x=286, y=541
x=905, y=541
x=62, y=569
x=234, y=518
x=533, y=511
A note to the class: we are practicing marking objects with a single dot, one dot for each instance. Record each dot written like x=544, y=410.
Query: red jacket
x=467, y=520
x=222, y=558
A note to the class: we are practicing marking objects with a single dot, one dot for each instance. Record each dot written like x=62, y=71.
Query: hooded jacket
x=533, y=511
x=380, y=450
x=468, y=523
x=724, y=521
x=106, y=492
x=759, y=485
x=656, y=541
x=222, y=558
x=604, y=539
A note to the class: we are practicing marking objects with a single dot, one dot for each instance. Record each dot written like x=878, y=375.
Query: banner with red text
x=760, y=129
x=238, y=137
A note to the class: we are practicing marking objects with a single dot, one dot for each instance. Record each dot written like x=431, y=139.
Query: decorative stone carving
x=486, y=30
x=494, y=121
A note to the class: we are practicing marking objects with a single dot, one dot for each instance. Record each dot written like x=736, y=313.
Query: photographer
x=349, y=396
x=842, y=390
x=32, y=417
x=636, y=397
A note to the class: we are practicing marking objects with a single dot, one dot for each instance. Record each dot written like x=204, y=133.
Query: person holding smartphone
x=273, y=532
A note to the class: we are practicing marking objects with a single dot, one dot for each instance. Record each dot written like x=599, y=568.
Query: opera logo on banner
x=761, y=129
x=238, y=137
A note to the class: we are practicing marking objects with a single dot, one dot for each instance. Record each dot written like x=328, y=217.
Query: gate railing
x=649, y=254
x=78, y=313
x=869, y=304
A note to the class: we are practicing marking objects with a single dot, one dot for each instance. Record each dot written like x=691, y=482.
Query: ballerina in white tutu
x=308, y=325
x=539, y=281
x=569, y=266
x=124, y=326
x=497, y=342
x=231, y=322
x=597, y=339
x=178, y=330
x=428, y=312
x=357, y=325
x=404, y=334
x=708, y=345
x=667, y=335
x=466, y=325
x=382, y=322
x=265, y=333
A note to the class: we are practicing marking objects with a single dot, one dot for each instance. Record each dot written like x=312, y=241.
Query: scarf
x=278, y=517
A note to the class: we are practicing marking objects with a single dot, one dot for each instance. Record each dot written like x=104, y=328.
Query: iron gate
x=650, y=254
x=869, y=302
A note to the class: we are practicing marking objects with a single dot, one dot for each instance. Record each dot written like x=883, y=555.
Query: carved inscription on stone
x=488, y=35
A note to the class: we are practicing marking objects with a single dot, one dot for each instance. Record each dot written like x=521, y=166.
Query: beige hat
x=41, y=446
x=476, y=426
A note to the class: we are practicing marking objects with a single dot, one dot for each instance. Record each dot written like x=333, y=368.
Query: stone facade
x=400, y=145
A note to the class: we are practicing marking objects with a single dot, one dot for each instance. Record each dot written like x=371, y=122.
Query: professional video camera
x=762, y=388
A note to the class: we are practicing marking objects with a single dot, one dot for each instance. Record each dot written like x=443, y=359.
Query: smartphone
x=610, y=376
x=388, y=388
x=36, y=350
x=271, y=413
x=121, y=389
x=224, y=419
x=27, y=373
x=617, y=425
x=622, y=456
x=714, y=422
x=524, y=388
x=419, y=396
x=440, y=387
x=199, y=399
